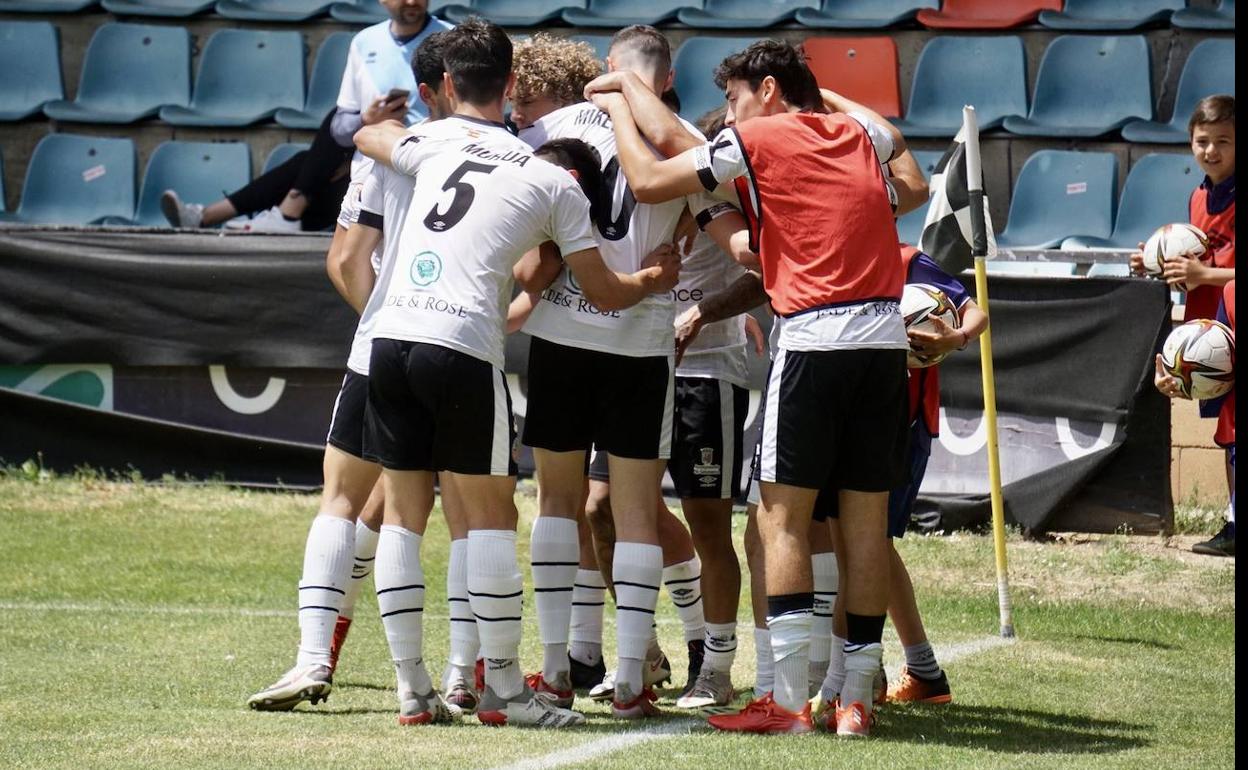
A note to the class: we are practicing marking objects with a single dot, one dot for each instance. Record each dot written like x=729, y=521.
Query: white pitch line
x=614, y=743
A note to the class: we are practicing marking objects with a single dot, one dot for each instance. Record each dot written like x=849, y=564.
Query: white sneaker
x=271, y=221
x=711, y=691
x=311, y=683
x=427, y=709
x=178, y=213
x=525, y=710
x=654, y=672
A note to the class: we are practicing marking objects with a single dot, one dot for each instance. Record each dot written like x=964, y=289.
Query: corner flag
x=948, y=236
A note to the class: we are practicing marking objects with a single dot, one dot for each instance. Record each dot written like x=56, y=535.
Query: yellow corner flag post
x=979, y=250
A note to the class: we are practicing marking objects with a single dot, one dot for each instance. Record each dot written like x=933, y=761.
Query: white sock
x=764, y=664
x=638, y=569
x=653, y=650
x=861, y=663
x=823, y=565
x=365, y=555
x=464, y=641
x=326, y=574
x=684, y=585
x=555, y=552
x=588, y=599
x=790, y=648
x=720, y=646
x=400, y=585
x=835, y=679
x=496, y=591
x=412, y=677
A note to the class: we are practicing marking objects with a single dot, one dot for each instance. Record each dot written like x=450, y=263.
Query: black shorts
x=706, y=447
x=431, y=408
x=583, y=398
x=346, y=425
x=835, y=418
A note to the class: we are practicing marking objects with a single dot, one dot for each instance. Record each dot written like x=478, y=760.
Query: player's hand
x=754, y=332
x=609, y=101
x=688, y=324
x=943, y=339
x=1169, y=386
x=611, y=81
x=1137, y=262
x=686, y=231
x=381, y=110
x=664, y=262
x=1184, y=272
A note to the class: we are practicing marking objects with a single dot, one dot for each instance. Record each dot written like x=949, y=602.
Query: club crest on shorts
x=708, y=469
x=426, y=268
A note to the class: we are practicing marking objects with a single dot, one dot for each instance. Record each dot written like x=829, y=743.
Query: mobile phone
x=396, y=94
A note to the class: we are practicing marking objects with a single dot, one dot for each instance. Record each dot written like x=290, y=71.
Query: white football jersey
x=479, y=202
x=719, y=350
x=626, y=232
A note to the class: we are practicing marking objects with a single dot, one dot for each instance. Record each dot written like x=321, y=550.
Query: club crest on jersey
x=426, y=268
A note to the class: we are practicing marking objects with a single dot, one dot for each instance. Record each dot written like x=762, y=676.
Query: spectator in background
x=305, y=192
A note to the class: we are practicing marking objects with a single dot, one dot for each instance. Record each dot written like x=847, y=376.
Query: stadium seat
x=2, y=204
x=1221, y=18
x=165, y=8
x=227, y=89
x=743, y=14
x=30, y=63
x=694, y=62
x=77, y=180
x=1109, y=270
x=371, y=11
x=512, y=13
x=862, y=14
x=1060, y=194
x=201, y=172
x=621, y=13
x=910, y=226
x=272, y=10
x=600, y=43
x=985, y=14
x=989, y=72
x=1088, y=86
x=863, y=69
x=282, y=153
x=331, y=61
x=1109, y=15
x=1155, y=194
x=1210, y=69
x=46, y=6
x=130, y=71
x=1033, y=269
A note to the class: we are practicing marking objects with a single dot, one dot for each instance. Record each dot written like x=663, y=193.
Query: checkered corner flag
x=952, y=233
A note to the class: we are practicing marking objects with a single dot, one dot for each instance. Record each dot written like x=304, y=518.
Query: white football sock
x=764, y=664
x=921, y=660
x=365, y=555
x=326, y=574
x=637, y=569
x=496, y=591
x=790, y=647
x=400, y=583
x=684, y=585
x=412, y=676
x=464, y=642
x=555, y=553
x=861, y=663
x=720, y=646
x=823, y=566
x=835, y=679
x=588, y=599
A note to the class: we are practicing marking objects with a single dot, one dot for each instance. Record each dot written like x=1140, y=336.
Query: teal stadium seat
x=331, y=61
x=600, y=43
x=30, y=68
x=1156, y=193
x=1210, y=69
x=77, y=180
x=245, y=76
x=910, y=226
x=1060, y=194
x=1109, y=15
x=985, y=14
x=282, y=153
x=273, y=10
x=45, y=6
x=621, y=13
x=201, y=172
x=694, y=62
x=988, y=72
x=1088, y=86
x=513, y=13
x=862, y=14
x=179, y=9
x=371, y=11
x=743, y=14
x=1221, y=18
x=130, y=71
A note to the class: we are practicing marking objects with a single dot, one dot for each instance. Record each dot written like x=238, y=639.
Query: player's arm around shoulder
x=652, y=180
x=383, y=142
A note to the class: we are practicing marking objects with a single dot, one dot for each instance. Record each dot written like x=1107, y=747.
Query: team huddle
x=638, y=242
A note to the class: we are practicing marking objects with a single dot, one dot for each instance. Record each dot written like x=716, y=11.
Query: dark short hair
x=670, y=98
x=477, y=54
x=427, y=64
x=1219, y=108
x=646, y=40
x=782, y=61
x=712, y=122
x=576, y=155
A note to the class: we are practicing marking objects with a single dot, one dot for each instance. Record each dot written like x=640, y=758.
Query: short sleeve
x=570, y=227
x=880, y=136
x=720, y=160
x=373, y=198
x=409, y=153
x=348, y=92
x=923, y=269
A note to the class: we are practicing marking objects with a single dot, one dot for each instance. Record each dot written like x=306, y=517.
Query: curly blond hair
x=557, y=67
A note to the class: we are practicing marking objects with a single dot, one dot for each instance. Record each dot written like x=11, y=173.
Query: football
x=1200, y=354
x=1171, y=241
x=920, y=303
